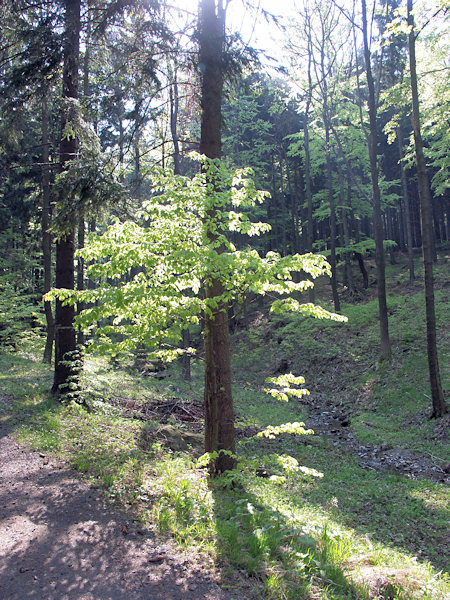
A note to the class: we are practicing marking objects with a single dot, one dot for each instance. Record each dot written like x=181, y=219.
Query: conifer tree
x=218, y=401
x=65, y=339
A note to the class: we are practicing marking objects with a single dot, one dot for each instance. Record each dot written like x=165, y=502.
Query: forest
x=224, y=341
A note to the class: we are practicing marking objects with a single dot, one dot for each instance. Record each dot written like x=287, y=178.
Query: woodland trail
x=59, y=540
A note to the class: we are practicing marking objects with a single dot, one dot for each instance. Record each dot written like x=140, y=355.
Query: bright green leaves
x=284, y=389
x=149, y=274
x=294, y=428
x=309, y=309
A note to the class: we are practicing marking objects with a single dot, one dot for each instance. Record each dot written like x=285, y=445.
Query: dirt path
x=59, y=540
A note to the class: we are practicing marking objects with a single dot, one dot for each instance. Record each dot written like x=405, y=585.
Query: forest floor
x=358, y=511
x=60, y=539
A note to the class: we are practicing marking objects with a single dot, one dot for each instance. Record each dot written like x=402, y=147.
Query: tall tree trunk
x=390, y=233
x=275, y=213
x=80, y=275
x=65, y=342
x=447, y=212
x=294, y=209
x=406, y=210
x=344, y=215
x=337, y=304
x=283, y=210
x=441, y=219
x=81, y=222
x=218, y=402
x=173, y=98
x=323, y=82
x=46, y=237
x=385, y=344
x=308, y=190
x=438, y=402
x=307, y=148
x=121, y=140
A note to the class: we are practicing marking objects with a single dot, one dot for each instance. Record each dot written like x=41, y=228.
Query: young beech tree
x=183, y=247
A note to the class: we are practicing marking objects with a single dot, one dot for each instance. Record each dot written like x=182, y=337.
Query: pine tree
x=218, y=400
x=65, y=339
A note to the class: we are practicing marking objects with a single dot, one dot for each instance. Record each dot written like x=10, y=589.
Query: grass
x=352, y=533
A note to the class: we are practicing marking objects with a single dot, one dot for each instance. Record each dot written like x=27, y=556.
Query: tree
x=65, y=339
x=218, y=400
x=46, y=236
x=174, y=105
x=30, y=57
x=173, y=246
x=439, y=406
x=306, y=117
x=323, y=68
x=385, y=344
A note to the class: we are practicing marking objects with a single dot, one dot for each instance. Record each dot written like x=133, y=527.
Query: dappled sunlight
x=352, y=531
x=364, y=556
x=65, y=541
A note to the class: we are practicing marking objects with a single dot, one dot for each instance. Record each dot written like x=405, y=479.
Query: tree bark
x=346, y=234
x=65, y=342
x=81, y=222
x=322, y=82
x=46, y=237
x=385, y=344
x=173, y=98
x=306, y=145
x=308, y=190
x=337, y=304
x=438, y=402
x=218, y=401
x=406, y=211
x=80, y=275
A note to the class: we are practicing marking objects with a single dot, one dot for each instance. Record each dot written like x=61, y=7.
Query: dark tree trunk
x=299, y=187
x=362, y=268
x=385, y=344
x=294, y=209
x=438, y=402
x=284, y=219
x=46, y=237
x=308, y=151
x=65, y=342
x=173, y=97
x=81, y=222
x=275, y=213
x=308, y=190
x=390, y=233
x=437, y=229
x=441, y=219
x=447, y=212
x=345, y=228
x=137, y=148
x=337, y=304
x=80, y=276
x=326, y=120
x=92, y=227
x=121, y=142
x=218, y=402
x=406, y=211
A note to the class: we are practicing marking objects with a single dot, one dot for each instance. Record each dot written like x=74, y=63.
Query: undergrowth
x=352, y=533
